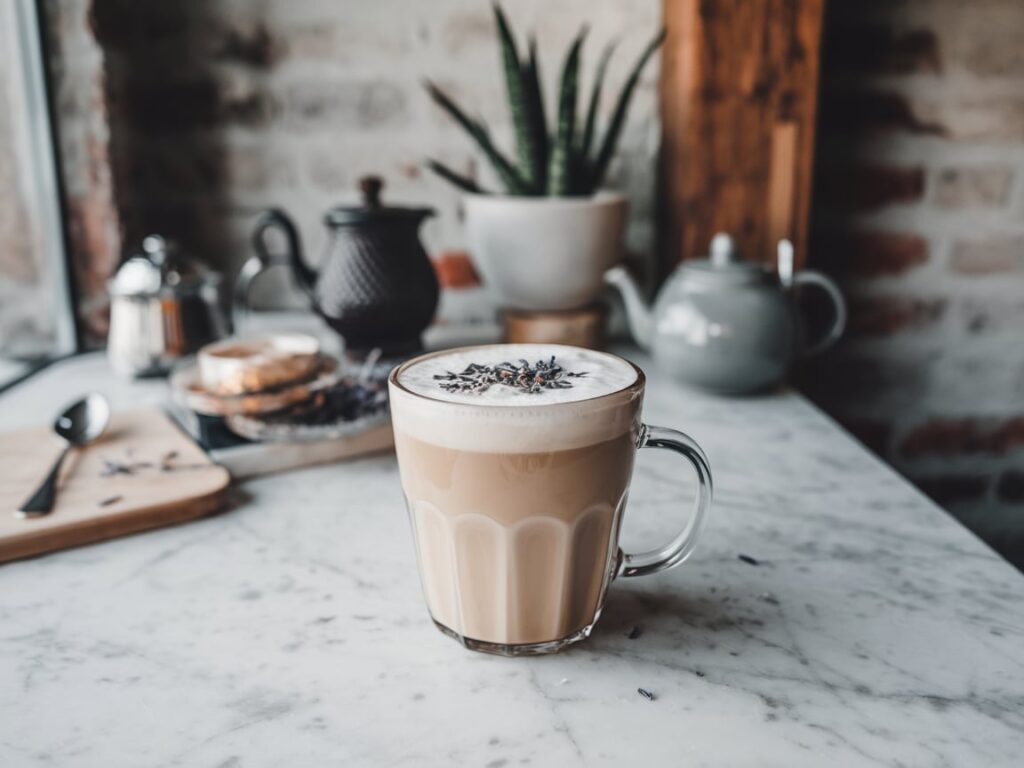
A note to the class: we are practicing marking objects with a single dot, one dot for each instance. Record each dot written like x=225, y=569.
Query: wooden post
x=739, y=88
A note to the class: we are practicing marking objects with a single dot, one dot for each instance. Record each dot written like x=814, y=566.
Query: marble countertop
x=290, y=630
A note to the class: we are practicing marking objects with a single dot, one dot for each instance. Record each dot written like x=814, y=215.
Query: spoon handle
x=41, y=502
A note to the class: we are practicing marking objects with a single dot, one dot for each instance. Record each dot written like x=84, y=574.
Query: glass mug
x=516, y=508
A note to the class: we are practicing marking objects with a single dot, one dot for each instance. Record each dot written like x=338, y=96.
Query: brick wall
x=212, y=110
x=919, y=209
x=218, y=109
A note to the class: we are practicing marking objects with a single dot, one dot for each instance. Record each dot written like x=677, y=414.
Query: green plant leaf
x=614, y=130
x=514, y=183
x=560, y=181
x=538, y=120
x=595, y=100
x=510, y=177
x=455, y=178
x=519, y=102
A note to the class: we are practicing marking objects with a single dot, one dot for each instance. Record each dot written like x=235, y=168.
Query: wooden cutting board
x=143, y=473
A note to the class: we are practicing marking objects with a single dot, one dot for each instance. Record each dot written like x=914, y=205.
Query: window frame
x=35, y=151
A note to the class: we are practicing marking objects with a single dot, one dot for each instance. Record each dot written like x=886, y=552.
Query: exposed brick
x=870, y=254
x=854, y=378
x=879, y=49
x=994, y=254
x=254, y=46
x=951, y=488
x=972, y=187
x=976, y=119
x=873, y=433
x=330, y=172
x=92, y=227
x=455, y=270
x=80, y=78
x=338, y=169
x=944, y=437
x=951, y=437
x=960, y=114
x=989, y=44
x=1011, y=487
x=1007, y=436
x=992, y=315
x=858, y=111
x=467, y=30
x=259, y=168
x=189, y=74
x=311, y=41
x=173, y=106
x=348, y=104
x=130, y=26
x=861, y=188
x=160, y=168
x=410, y=170
x=886, y=315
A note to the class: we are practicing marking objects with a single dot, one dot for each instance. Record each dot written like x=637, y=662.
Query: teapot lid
x=725, y=263
x=158, y=269
x=372, y=210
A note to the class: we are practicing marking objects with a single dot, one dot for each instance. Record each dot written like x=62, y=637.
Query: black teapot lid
x=372, y=210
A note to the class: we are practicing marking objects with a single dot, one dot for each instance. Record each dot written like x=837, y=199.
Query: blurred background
x=119, y=118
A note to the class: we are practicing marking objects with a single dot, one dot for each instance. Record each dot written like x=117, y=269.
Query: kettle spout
x=637, y=311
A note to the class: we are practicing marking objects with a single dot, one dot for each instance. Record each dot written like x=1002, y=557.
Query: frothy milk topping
x=468, y=399
x=525, y=375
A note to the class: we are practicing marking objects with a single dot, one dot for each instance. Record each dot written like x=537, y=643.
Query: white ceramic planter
x=545, y=253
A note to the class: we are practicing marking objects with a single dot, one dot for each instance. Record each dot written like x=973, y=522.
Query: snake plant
x=564, y=162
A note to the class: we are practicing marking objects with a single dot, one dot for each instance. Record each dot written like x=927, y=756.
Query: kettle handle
x=826, y=284
x=263, y=258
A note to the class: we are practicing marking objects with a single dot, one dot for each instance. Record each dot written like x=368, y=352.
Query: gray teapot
x=726, y=325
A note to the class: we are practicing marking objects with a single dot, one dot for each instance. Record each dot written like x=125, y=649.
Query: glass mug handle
x=681, y=547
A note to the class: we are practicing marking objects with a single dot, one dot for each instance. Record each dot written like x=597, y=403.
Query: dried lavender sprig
x=524, y=377
x=111, y=468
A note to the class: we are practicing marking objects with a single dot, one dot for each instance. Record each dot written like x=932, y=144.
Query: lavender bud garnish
x=531, y=379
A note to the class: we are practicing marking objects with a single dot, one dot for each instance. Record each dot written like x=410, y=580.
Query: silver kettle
x=726, y=325
x=163, y=307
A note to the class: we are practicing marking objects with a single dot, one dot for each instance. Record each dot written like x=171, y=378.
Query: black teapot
x=375, y=286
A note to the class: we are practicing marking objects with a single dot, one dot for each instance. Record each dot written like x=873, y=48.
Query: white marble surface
x=290, y=630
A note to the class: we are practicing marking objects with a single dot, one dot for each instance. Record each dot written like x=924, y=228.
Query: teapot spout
x=637, y=311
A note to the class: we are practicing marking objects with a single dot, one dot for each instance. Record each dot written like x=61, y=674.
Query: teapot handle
x=263, y=258
x=838, y=304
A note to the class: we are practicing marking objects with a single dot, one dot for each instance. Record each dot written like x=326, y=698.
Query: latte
x=515, y=461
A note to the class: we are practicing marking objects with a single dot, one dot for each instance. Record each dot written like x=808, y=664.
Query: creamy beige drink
x=516, y=476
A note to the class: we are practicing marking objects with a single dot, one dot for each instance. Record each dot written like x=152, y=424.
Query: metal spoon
x=80, y=423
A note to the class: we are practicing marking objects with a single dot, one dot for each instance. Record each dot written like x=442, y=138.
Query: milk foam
x=599, y=406
x=602, y=374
